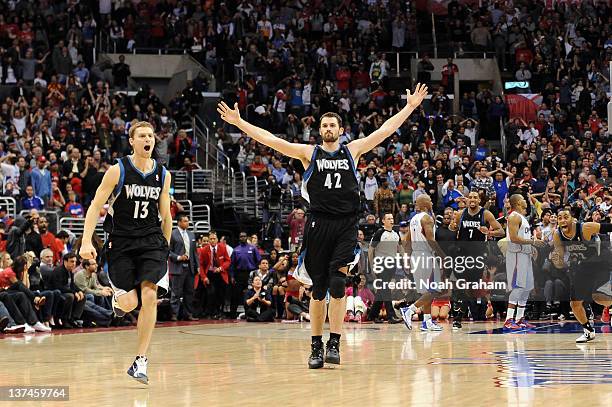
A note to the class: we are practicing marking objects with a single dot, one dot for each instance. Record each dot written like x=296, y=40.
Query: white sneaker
x=407, y=313
x=587, y=336
x=430, y=326
x=40, y=327
x=138, y=370
x=29, y=329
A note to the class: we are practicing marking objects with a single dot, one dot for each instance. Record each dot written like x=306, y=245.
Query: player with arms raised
x=331, y=188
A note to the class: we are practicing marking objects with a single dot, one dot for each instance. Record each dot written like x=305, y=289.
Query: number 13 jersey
x=133, y=208
x=330, y=183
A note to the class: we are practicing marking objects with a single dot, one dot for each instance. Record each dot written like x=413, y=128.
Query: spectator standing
x=183, y=266
x=245, y=258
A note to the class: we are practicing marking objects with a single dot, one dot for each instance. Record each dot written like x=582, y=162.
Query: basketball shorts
x=131, y=261
x=329, y=244
x=588, y=279
x=519, y=271
x=426, y=272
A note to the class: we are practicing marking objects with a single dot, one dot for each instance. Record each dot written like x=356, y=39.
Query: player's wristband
x=605, y=227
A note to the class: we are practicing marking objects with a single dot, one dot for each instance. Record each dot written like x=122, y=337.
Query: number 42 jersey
x=133, y=208
x=330, y=183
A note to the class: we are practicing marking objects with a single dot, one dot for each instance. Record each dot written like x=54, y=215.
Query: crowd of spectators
x=285, y=63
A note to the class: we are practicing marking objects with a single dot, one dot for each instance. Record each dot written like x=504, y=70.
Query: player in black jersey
x=139, y=225
x=588, y=262
x=331, y=189
x=472, y=224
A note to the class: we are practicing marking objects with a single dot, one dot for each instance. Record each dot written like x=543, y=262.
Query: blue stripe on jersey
x=142, y=174
x=164, y=171
x=351, y=161
x=121, y=178
x=310, y=168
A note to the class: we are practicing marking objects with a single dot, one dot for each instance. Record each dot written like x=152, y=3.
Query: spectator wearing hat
x=41, y=180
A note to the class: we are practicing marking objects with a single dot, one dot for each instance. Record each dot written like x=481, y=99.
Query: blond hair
x=137, y=126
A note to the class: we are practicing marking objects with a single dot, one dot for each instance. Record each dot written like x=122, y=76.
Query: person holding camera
x=258, y=303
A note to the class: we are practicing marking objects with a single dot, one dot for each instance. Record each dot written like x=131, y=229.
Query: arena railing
x=10, y=204
x=77, y=226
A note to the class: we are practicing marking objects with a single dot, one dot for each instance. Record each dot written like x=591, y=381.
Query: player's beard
x=329, y=136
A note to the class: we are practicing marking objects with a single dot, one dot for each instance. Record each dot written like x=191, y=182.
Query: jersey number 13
x=141, y=209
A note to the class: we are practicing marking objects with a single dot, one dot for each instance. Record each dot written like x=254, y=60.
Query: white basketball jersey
x=524, y=232
x=417, y=237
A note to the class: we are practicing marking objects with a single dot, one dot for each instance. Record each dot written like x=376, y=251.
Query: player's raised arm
x=109, y=182
x=302, y=152
x=590, y=229
x=164, y=207
x=362, y=146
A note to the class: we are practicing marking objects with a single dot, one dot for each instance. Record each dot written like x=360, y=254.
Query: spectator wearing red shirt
x=296, y=221
x=448, y=74
x=49, y=241
x=257, y=168
x=343, y=76
x=361, y=77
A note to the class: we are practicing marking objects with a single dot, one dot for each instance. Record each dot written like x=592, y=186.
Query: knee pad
x=337, y=284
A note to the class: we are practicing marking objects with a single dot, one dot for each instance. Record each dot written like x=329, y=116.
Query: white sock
x=510, y=314
x=520, y=311
x=413, y=308
x=426, y=317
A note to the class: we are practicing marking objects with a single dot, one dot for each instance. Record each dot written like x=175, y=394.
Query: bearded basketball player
x=330, y=238
x=472, y=224
x=139, y=225
x=589, y=265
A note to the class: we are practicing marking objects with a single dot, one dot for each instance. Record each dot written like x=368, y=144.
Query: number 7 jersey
x=330, y=183
x=133, y=208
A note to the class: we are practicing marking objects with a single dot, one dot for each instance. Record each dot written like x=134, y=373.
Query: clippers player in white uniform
x=139, y=225
x=519, y=267
x=330, y=236
x=422, y=247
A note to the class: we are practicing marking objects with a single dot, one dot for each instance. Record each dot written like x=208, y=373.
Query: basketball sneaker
x=587, y=336
x=511, y=326
x=138, y=370
x=457, y=325
x=332, y=351
x=119, y=313
x=524, y=324
x=407, y=314
x=430, y=325
x=315, y=361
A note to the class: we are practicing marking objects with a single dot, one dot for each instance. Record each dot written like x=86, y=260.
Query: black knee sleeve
x=337, y=284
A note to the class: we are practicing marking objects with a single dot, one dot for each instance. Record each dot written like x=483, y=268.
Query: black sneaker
x=315, y=361
x=400, y=304
x=457, y=325
x=332, y=351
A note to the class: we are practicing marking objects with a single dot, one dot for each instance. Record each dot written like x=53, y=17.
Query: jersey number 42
x=330, y=184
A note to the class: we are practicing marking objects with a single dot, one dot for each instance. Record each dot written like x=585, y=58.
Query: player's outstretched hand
x=87, y=251
x=415, y=99
x=232, y=116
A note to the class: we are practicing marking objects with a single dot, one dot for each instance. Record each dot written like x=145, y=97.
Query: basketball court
x=239, y=363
